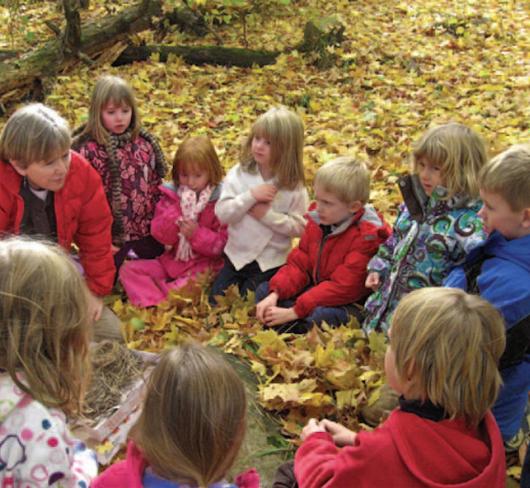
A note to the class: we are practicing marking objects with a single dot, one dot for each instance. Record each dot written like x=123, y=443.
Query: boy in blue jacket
x=499, y=271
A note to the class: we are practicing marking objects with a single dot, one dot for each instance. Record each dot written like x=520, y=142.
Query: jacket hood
x=170, y=191
x=472, y=462
x=516, y=251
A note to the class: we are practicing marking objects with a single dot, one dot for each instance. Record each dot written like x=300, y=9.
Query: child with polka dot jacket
x=43, y=366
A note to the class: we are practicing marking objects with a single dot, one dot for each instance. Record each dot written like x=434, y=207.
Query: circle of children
x=450, y=287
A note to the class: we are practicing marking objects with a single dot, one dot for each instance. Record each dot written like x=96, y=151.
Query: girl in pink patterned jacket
x=131, y=165
x=186, y=223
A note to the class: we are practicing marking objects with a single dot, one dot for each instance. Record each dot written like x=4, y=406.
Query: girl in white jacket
x=263, y=201
x=44, y=337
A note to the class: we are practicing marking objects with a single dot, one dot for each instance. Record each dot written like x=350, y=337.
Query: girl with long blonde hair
x=44, y=368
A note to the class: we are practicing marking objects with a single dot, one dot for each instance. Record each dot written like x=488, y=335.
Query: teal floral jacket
x=431, y=235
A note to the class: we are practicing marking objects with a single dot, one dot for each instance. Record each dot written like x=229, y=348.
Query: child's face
x=498, y=215
x=116, y=118
x=330, y=209
x=194, y=178
x=48, y=174
x=261, y=151
x=430, y=175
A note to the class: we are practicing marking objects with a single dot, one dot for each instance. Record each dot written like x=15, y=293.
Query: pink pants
x=147, y=283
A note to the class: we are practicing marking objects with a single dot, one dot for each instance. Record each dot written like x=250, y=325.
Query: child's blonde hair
x=285, y=132
x=459, y=151
x=347, y=178
x=508, y=174
x=32, y=134
x=197, y=152
x=192, y=423
x=450, y=342
x=44, y=323
x=115, y=90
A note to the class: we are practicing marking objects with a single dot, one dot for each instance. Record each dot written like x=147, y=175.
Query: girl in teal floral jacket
x=437, y=225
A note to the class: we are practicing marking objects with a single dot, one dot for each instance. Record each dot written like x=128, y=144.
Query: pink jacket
x=208, y=240
x=129, y=473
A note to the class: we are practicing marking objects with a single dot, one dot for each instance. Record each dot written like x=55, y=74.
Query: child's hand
x=95, y=307
x=372, y=281
x=342, y=436
x=187, y=228
x=278, y=315
x=269, y=301
x=114, y=249
x=264, y=193
x=259, y=210
x=311, y=427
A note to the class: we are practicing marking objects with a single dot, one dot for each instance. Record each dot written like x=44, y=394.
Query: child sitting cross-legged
x=499, y=271
x=325, y=274
x=442, y=359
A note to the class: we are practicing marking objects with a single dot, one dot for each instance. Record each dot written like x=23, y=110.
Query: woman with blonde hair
x=44, y=368
x=191, y=427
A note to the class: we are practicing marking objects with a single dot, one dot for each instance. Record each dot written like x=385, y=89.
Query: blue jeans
x=247, y=278
x=333, y=316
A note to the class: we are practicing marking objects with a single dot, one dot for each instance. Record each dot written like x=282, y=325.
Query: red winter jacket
x=83, y=217
x=333, y=267
x=406, y=451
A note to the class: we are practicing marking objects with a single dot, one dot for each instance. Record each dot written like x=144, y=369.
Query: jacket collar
x=170, y=190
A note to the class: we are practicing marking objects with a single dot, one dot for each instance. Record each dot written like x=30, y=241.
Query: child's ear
x=18, y=168
x=356, y=206
x=526, y=218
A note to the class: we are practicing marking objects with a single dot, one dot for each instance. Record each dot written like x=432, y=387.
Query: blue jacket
x=504, y=279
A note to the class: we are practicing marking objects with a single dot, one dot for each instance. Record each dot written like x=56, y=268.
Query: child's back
x=44, y=338
x=442, y=359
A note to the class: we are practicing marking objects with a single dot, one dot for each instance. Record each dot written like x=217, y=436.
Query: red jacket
x=333, y=267
x=406, y=451
x=82, y=214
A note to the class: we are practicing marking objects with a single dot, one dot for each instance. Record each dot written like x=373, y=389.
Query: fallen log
x=18, y=76
x=198, y=55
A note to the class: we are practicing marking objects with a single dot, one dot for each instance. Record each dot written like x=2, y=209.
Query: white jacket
x=36, y=448
x=267, y=241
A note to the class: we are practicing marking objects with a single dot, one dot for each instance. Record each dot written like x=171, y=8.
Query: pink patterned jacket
x=140, y=182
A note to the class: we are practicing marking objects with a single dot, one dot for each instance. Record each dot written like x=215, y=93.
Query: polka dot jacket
x=36, y=447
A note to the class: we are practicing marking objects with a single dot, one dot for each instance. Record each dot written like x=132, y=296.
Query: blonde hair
x=459, y=151
x=32, y=134
x=285, y=132
x=115, y=90
x=452, y=343
x=197, y=152
x=44, y=323
x=508, y=174
x=347, y=178
x=192, y=423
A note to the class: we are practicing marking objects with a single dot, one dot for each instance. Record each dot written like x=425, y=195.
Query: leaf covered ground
x=402, y=67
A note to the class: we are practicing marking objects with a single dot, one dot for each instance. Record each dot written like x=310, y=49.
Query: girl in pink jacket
x=185, y=222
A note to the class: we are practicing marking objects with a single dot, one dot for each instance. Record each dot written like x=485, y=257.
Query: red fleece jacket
x=82, y=214
x=406, y=451
x=334, y=267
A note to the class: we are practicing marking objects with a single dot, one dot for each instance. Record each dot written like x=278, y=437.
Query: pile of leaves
x=329, y=371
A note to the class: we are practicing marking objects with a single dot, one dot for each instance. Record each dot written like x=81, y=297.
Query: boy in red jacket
x=323, y=276
x=49, y=192
x=442, y=360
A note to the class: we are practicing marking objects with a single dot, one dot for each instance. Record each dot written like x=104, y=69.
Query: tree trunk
x=198, y=55
x=17, y=77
